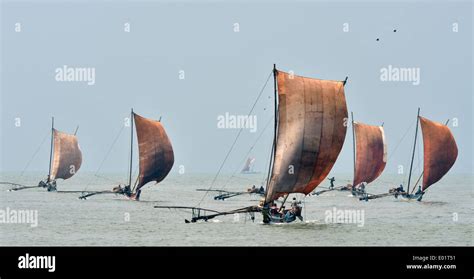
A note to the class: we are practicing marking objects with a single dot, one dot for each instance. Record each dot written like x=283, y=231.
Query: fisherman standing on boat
x=332, y=179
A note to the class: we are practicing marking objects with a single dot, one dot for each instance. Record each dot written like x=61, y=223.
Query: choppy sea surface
x=444, y=217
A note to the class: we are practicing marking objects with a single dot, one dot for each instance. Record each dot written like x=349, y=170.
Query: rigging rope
x=248, y=153
x=34, y=154
x=235, y=140
x=96, y=174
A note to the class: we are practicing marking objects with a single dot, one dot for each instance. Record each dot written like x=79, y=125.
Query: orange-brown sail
x=67, y=158
x=312, y=115
x=371, y=153
x=155, y=150
x=440, y=151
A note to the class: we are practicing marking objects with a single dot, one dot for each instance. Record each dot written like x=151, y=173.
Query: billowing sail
x=155, y=150
x=312, y=116
x=371, y=153
x=248, y=165
x=67, y=156
x=440, y=151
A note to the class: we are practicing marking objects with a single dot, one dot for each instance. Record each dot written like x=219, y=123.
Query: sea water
x=444, y=217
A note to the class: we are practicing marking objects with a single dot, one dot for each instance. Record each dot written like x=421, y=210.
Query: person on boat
x=273, y=209
x=252, y=190
x=397, y=190
x=362, y=187
x=400, y=188
x=261, y=190
x=332, y=179
x=294, y=212
x=117, y=189
x=419, y=191
x=290, y=216
x=346, y=188
x=43, y=184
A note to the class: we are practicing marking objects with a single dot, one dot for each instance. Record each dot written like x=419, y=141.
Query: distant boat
x=248, y=167
x=310, y=128
x=65, y=160
x=156, y=157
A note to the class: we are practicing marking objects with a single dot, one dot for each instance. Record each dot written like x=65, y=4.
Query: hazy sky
x=224, y=71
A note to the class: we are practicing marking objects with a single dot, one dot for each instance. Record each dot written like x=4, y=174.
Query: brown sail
x=248, y=164
x=440, y=151
x=155, y=150
x=67, y=158
x=371, y=153
x=312, y=116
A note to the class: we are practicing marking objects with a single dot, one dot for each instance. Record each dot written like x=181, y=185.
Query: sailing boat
x=156, y=157
x=439, y=155
x=310, y=117
x=370, y=157
x=65, y=159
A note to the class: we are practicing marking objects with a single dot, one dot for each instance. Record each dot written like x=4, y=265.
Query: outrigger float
x=439, y=155
x=309, y=132
x=65, y=159
x=156, y=158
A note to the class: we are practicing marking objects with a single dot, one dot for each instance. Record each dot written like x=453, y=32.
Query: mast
x=51, y=150
x=353, y=146
x=414, y=147
x=131, y=150
x=275, y=126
